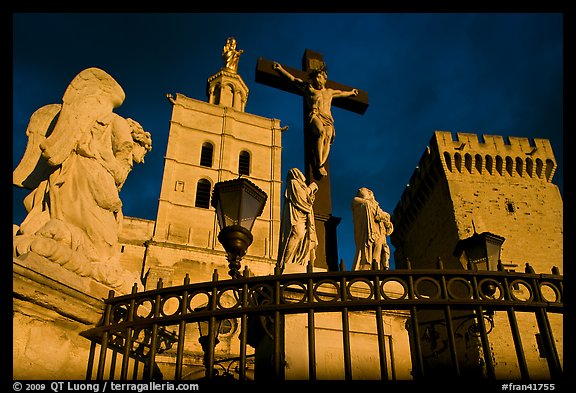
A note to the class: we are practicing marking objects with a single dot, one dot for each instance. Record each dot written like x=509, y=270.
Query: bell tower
x=209, y=142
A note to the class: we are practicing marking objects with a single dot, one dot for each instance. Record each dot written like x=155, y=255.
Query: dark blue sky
x=486, y=73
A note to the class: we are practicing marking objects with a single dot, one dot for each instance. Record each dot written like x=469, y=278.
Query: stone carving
x=231, y=55
x=78, y=156
x=371, y=226
x=297, y=230
x=318, y=100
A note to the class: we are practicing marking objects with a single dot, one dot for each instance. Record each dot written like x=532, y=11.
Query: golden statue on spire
x=231, y=55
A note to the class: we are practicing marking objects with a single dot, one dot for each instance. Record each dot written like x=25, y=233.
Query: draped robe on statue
x=297, y=230
x=371, y=226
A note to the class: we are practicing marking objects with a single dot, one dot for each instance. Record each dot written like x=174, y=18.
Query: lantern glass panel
x=493, y=247
x=251, y=208
x=230, y=206
x=477, y=254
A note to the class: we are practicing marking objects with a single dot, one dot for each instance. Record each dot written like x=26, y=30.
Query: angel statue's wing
x=90, y=97
x=33, y=168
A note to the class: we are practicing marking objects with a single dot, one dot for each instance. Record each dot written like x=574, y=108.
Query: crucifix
x=305, y=83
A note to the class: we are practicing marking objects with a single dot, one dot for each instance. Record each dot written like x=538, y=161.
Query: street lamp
x=238, y=203
x=481, y=251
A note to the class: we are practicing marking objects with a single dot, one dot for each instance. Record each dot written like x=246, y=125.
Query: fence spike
x=529, y=269
x=408, y=263
x=215, y=275
x=439, y=263
x=555, y=270
x=309, y=267
x=187, y=279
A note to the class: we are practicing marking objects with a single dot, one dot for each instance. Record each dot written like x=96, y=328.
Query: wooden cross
x=327, y=250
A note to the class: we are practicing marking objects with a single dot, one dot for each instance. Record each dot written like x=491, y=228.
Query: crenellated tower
x=465, y=182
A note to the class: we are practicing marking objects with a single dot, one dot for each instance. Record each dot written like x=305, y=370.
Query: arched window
x=478, y=163
x=244, y=163
x=203, y=194
x=510, y=165
x=206, y=154
x=530, y=167
x=458, y=162
x=489, y=164
x=519, y=166
x=499, y=164
x=539, y=168
x=550, y=168
x=448, y=160
x=468, y=162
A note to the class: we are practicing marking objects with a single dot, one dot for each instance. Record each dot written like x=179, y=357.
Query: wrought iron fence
x=442, y=309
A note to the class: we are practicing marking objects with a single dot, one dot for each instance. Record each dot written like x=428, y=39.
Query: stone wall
x=52, y=307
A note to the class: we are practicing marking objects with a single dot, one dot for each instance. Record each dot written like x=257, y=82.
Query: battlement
x=466, y=153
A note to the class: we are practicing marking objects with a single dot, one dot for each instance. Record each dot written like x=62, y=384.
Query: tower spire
x=226, y=87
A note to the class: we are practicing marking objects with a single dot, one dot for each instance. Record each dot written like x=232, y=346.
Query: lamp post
x=238, y=203
x=481, y=251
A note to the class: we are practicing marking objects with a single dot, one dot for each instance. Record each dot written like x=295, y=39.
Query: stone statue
x=78, y=156
x=231, y=55
x=318, y=100
x=297, y=229
x=371, y=226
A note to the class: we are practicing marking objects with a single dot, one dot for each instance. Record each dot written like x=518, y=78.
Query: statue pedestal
x=51, y=307
x=291, y=268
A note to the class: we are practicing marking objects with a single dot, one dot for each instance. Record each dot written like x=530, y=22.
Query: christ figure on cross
x=318, y=103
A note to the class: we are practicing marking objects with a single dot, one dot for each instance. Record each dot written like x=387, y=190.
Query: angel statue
x=78, y=156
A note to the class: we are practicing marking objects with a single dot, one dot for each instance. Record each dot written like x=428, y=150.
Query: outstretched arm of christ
x=341, y=93
x=278, y=67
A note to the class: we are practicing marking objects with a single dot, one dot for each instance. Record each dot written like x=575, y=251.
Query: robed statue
x=78, y=156
x=231, y=55
x=297, y=229
x=371, y=226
